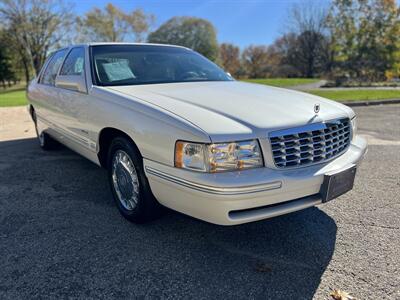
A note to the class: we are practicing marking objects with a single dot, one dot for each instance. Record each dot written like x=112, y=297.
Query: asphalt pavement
x=62, y=237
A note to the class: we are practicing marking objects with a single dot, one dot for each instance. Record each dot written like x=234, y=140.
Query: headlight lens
x=234, y=156
x=190, y=156
x=218, y=157
x=354, y=126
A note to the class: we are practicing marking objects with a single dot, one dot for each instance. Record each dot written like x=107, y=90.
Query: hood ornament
x=317, y=108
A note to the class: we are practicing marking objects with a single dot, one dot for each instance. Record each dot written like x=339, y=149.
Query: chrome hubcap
x=125, y=180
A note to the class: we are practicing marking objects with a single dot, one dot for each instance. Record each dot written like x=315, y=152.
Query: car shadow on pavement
x=62, y=236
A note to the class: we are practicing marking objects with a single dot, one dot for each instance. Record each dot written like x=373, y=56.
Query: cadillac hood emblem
x=317, y=108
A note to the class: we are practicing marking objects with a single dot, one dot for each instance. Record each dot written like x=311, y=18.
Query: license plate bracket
x=337, y=184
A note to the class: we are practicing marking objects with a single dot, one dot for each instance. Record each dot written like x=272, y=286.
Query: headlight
x=354, y=126
x=218, y=157
x=190, y=156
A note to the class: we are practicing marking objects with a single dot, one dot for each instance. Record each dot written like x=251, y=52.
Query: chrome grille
x=309, y=144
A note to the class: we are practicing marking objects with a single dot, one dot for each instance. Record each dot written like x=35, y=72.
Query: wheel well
x=105, y=138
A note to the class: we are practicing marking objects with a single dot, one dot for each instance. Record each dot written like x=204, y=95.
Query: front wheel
x=129, y=184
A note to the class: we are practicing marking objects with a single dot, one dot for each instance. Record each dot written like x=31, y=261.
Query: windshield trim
x=96, y=82
x=163, y=82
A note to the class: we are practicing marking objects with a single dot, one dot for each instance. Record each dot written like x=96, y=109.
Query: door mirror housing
x=72, y=82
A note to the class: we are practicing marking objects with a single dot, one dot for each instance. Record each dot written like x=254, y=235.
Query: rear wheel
x=129, y=184
x=46, y=142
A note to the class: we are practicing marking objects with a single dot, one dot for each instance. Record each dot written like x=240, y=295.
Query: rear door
x=45, y=94
x=74, y=102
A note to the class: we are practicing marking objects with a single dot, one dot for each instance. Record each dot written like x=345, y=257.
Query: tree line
x=351, y=39
x=356, y=39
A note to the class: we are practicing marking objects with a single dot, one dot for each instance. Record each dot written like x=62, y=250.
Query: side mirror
x=72, y=82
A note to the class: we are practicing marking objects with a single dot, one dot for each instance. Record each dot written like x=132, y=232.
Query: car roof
x=123, y=43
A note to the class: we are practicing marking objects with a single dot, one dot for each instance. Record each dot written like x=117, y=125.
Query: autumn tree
x=366, y=37
x=195, y=33
x=34, y=28
x=255, y=60
x=230, y=58
x=281, y=58
x=114, y=25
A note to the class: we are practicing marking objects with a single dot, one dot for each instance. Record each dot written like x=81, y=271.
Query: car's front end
x=230, y=197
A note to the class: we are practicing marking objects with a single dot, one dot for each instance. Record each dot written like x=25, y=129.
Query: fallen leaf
x=341, y=295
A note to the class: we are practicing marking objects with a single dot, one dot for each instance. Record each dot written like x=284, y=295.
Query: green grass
x=13, y=98
x=16, y=96
x=358, y=95
x=283, y=82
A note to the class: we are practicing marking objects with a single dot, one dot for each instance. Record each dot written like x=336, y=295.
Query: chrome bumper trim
x=216, y=190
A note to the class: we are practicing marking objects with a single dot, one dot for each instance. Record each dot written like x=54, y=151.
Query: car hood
x=236, y=108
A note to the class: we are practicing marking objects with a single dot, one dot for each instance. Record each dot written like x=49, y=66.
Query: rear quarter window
x=74, y=63
x=50, y=73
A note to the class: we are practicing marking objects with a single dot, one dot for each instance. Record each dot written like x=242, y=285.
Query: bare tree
x=140, y=24
x=307, y=51
x=307, y=16
x=35, y=27
x=114, y=25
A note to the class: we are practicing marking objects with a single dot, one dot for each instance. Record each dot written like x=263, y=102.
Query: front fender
x=154, y=130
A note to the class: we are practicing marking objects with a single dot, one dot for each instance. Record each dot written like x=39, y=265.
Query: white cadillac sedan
x=175, y=130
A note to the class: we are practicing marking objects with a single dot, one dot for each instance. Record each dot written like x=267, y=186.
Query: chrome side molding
x=213, y=189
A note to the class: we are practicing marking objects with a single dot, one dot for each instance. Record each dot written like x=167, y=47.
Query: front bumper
x=238, y=197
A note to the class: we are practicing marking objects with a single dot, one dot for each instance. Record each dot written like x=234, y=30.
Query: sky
x=242, y=22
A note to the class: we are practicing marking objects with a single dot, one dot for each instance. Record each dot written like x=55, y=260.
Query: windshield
x=147, y=64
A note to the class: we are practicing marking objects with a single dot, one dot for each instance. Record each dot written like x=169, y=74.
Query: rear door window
x=49, y=75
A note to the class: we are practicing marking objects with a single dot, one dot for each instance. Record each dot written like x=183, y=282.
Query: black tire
x=46, y=142
x=147, y=207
